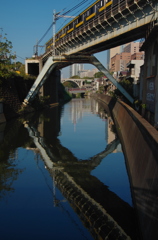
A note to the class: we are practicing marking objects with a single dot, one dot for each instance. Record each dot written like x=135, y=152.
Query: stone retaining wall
x=12, y=93
x=140, y=145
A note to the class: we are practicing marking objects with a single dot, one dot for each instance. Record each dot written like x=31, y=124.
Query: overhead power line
x=65, y=13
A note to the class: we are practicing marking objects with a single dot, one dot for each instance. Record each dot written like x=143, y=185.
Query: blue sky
x=25, y=23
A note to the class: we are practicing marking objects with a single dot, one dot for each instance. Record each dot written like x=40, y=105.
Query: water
x=63, y=176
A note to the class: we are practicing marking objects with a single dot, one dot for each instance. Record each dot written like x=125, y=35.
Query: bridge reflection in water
x=105, y=214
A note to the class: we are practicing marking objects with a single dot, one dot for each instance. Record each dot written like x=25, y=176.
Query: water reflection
x=101, y=211
x=8, y=155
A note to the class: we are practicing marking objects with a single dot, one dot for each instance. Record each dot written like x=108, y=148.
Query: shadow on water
x=104, y=214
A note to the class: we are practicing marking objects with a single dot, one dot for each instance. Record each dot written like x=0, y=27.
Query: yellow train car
x=89, y=13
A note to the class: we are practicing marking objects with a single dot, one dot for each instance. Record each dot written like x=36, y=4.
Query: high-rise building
x=75, y=69
x=132, y=47
x=110, y=53
x=127, y=52
x=119, y=62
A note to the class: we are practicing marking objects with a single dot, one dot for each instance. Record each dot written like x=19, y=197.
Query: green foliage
x=8, y=174
x=78, y=95
x=75, y=77
x=127, y=85
x=45, y=99
x=87, y=82
x=6, y=51
x=66, y=96
x=6, y=71
x=99, y=75
x=101, y=89
x=143, y=105
x=9, y=70
x=70, y=84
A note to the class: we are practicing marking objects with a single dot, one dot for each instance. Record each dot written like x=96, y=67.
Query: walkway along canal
x=63, y=175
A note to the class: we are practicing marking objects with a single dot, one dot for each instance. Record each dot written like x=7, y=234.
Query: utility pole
x=54, y=30
x=35, y=49
x=56, y=16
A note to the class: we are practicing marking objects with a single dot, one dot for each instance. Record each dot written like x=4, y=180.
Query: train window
x=75, y=22
x=98, y=5
x=85, y=15
x=91, y=10
x=69, y=27
x=80, y=19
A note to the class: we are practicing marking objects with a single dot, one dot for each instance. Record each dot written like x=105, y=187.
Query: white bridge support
x=52, y=63
x=101, y=68
x=46, y=70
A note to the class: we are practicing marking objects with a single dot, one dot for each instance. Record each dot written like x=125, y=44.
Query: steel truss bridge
x=127, y=21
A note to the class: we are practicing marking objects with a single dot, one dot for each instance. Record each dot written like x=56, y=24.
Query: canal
x=63, y=176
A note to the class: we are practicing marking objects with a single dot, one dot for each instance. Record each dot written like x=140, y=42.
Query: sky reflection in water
x=36, y=209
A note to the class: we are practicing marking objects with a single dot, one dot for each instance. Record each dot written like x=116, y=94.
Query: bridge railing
x=122, y=8
x=103, y=20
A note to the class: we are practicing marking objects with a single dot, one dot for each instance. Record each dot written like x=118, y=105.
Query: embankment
x=140, y=146
x=12, y=93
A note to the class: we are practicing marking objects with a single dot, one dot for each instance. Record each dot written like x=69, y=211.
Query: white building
x=133, y=74
x=88, y=73
x=75, y=69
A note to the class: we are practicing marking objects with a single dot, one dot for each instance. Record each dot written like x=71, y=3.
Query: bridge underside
x=58, y=62
x=124, y=23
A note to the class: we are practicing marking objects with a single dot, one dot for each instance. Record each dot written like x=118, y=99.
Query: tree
x=70, y=84
x=75, y=77
x=6, y=51
x=99, y=75
x=6, y=56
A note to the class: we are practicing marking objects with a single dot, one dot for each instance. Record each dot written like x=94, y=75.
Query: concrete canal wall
x=140, y=145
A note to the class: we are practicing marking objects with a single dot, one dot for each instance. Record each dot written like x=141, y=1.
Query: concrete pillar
x=51, y=86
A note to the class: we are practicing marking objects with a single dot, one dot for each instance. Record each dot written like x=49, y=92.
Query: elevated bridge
x=103, y=25
x=79, y=82
x=121, y=22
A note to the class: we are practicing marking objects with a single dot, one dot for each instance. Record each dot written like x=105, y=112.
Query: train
x=89, y=13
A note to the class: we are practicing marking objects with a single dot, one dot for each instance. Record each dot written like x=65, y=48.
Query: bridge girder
x=56, y=61
x=128, y=21
x=79, y=82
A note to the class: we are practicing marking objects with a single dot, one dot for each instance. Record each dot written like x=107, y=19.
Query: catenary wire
x=71, y=10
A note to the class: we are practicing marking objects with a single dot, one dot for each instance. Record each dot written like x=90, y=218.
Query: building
x=88, y=73
x=119, y=62
x=75, y=69
x=137, y=56
x=149, y=76
x=132, y=47
x=110, y=53
x=133, y=74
